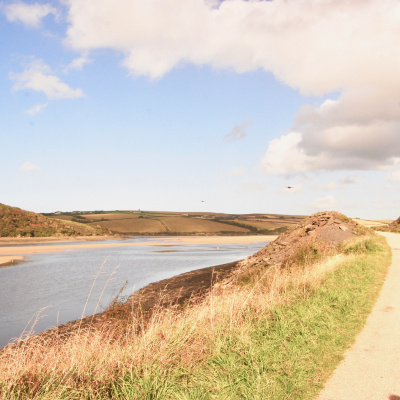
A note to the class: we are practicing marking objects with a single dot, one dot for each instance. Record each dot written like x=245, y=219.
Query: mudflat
x=10, y=253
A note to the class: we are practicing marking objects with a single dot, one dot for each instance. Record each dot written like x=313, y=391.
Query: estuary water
x=50, y=289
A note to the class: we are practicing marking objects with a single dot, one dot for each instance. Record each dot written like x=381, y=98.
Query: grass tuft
x=362, y=245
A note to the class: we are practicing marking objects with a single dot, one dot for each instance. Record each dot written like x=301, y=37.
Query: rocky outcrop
x=395, y=224
x=323, y=231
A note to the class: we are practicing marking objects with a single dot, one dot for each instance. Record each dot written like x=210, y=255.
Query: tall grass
x=276, y=337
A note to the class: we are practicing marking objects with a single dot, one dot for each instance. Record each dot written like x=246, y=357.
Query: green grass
x=279, y=338
x=285, y=354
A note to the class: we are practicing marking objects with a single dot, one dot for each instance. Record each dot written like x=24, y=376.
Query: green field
x=176, y=223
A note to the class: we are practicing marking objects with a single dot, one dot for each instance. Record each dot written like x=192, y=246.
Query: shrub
x=364, y=245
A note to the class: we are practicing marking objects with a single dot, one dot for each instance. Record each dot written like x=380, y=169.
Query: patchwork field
x=174, y=223
x=371, y=224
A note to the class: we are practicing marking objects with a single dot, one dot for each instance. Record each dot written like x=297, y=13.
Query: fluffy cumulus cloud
x=30, y=15
x=38, y=77
x=361, y=130
x=314, y=46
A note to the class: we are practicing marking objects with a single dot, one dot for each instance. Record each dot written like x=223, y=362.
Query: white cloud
x=78, y=63
x=30, y=15
x=340, y=146
x=238, y=132
x=326, y=203
x=36, y=109
x=285, y=156
x=38, y=77
x=314, y=46
x=29, y=167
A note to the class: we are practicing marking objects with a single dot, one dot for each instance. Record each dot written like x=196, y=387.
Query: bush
x=365, y=245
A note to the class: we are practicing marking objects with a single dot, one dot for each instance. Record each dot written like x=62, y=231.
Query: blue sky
x=201, y=105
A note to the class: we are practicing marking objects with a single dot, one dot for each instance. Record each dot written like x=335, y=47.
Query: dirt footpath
x=371, y=367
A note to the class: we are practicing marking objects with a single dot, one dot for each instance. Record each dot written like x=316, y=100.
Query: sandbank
x=7, y=260
x=10, y=253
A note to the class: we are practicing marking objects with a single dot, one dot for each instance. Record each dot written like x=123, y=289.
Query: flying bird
x=289, y=187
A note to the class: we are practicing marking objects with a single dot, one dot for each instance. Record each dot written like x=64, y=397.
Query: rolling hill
x=15, y=222
x=391, y=227
x=175, y=223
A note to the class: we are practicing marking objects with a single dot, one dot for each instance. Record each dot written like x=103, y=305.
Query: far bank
x=12, y=249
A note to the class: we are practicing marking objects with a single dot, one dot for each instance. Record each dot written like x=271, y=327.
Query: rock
x=322, y=230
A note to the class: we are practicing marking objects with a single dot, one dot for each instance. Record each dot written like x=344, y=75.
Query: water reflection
x=60, y=282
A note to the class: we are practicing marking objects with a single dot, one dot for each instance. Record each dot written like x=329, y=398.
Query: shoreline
x=169, y=292
x=11, y=253
x=5, y=261
x=175, y=290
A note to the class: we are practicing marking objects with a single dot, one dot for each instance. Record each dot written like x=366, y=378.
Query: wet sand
x=9, y=260
x=9, y=253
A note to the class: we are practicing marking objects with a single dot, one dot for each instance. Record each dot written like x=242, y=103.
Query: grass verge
x=277, y=338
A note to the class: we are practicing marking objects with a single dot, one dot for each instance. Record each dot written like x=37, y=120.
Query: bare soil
x=322, y=232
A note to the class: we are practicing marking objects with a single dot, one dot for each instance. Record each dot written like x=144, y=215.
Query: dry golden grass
x=65, y=217
x=91, y=358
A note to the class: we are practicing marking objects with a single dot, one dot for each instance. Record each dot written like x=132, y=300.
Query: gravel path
x=371, y=367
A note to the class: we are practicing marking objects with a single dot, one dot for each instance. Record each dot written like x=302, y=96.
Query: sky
x=201, y=105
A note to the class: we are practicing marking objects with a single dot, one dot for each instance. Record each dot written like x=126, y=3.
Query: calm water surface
x=59, y=283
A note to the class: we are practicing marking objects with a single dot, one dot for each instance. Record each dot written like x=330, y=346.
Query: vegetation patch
x=174, y=223
x=277, y=336
x=15, y=222
x=392, y=227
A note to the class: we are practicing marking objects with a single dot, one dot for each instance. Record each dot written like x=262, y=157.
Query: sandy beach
x=10, y=253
